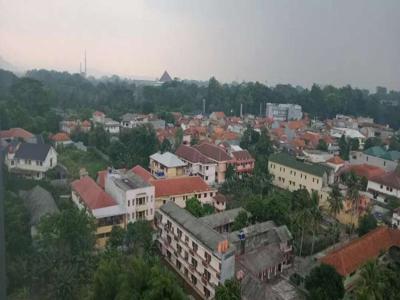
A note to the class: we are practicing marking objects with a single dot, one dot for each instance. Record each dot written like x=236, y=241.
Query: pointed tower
x=165, y=77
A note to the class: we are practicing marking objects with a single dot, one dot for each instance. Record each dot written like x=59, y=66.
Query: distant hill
x=5, y=65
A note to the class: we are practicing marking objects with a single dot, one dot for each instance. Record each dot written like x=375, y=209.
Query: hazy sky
x=276, y=41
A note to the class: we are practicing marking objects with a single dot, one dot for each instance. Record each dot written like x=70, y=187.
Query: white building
x=385, y=185
x=283, y=112
x=30, y=160
x=111, y=126
x=348, y=133
x=396, y=218
x=197, y=163
x=134, y=194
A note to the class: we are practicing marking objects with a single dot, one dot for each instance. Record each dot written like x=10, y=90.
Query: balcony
x=191, y=252
x=192, y=268
x=205, y=263
x=204, y=280
x=176, y=238
x=159, y=174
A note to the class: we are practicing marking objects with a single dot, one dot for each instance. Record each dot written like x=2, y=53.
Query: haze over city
x=299, y=42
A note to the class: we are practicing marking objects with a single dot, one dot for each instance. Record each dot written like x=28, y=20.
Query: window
x=207, y=257
x=179, y=232
x=206, y=292
x=194, y=279
x=211, y=194
x=164, y=201
x=205, y=195
x=151, y=211
x=186, y=256
x=179, y=248
x=186, y=239
x=129, y=203
x=206, y=177
x=207, y=275
x=195, y=247
x=194, y=263
x=178, y=264
x=206, y=167
x=140, y=201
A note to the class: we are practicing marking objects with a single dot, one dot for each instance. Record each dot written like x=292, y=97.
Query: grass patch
x=74, y=159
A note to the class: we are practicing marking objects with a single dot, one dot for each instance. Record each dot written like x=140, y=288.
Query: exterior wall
x=156, y=167
x=358, y=157
x=180, y=200
x=292, y=179
x=205, y=171
x=283, y=112
x=139, y=203
x=381, y=191
x=396, y=220
x=220, y=172
x=179, y=253
x=246, y=166
x=113, y=129
x=36, y=169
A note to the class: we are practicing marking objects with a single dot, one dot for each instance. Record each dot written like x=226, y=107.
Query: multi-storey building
x=86, y=194
x=218, y=156
x=197, y=163
x=180, y=189
x=30, y=160
x=166, y=165
x=376, y=156
x=293, y=174
x=283, y=112
x=135, y=195
x=201, y=256
x=385, y=185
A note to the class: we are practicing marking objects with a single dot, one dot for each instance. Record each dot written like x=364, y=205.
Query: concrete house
x=376, y=156
x=166, y=165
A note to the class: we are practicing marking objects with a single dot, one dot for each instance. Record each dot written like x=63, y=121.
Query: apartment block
x=283, y=112
x=134, y=194
x=201, y=256
x=292, y=174
x=166, y=165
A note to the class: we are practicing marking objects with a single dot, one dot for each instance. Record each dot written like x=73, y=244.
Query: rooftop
x=92, y=194
x=129, y=181
x=213, y=151
x=16, y=133
x=180, y=186
x=222, y=218
x=32, y=151
x=203, y=233
x=142, y=173
x=168, y=159
x=292, y=162
x=192, y=154
x=350, y=257
x=60, y=137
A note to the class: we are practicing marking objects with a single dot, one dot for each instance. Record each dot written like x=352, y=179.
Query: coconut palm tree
x=335, y=201
x=316, y=217
x=353, y=188
x=371, y=285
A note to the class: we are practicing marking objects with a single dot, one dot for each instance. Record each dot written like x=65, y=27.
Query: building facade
x=30, y=160
x=136, y=196
x=283, y=112
x=200, y=255
x=166, y=165
x=376, y=156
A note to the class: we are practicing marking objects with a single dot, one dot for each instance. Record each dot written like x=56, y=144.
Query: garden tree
x=335, y=200
x=393, y=202
x=354, y=144
x=344, y=148
x=263, y=147
x=230, y=290
x=353, y=191
x=167, y=117
x=371, y=284
x=99, y=138
x=230, y=173
x=80, y=136
x=249, y=138
x=165, y=145
x=393, y=145
x=64, y=254
x=316, y=217
x=116, y=238
x=366, y=223
x=363, y=182
x=118, y=154
x=322, y=145
x=140, y=142
x=139, y=237
x=324, y=282
x=240, y=221
x=17, y=243
x=194, y=206
x=372, y=142
x=178, y=137
x=127, y=277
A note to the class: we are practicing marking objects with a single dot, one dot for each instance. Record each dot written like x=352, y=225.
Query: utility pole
x=2, y=234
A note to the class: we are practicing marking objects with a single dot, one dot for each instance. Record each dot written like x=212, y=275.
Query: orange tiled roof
x=91, y=194
x=86, y=123
x=336, y=160
x=142, y=173
x=98, y=113
x=366, y=170
x=353, y=255
x=16, y=133
x=179, y=186
x=60, y=137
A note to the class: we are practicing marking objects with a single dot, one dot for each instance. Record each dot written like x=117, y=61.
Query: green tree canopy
x=324, y=282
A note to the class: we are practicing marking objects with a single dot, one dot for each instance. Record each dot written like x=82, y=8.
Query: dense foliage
x=324, y=282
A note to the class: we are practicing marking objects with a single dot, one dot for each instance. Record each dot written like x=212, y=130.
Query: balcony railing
x=205, y=263
x=192, y=268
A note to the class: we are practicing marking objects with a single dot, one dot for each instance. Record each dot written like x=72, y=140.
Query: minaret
x=85, y=62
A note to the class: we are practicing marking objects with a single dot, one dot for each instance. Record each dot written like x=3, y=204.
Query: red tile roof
x=336, y=160
x=98, y=113
x=391, y=179
x=16, y=133
x=353, y=255
x=192, y=154
x=213, y=151
x=365, y=170
x=60, y=137
x=142, y=173
x=179, y=186
x=242, y=155
x=86, y=123
x=92, y=194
